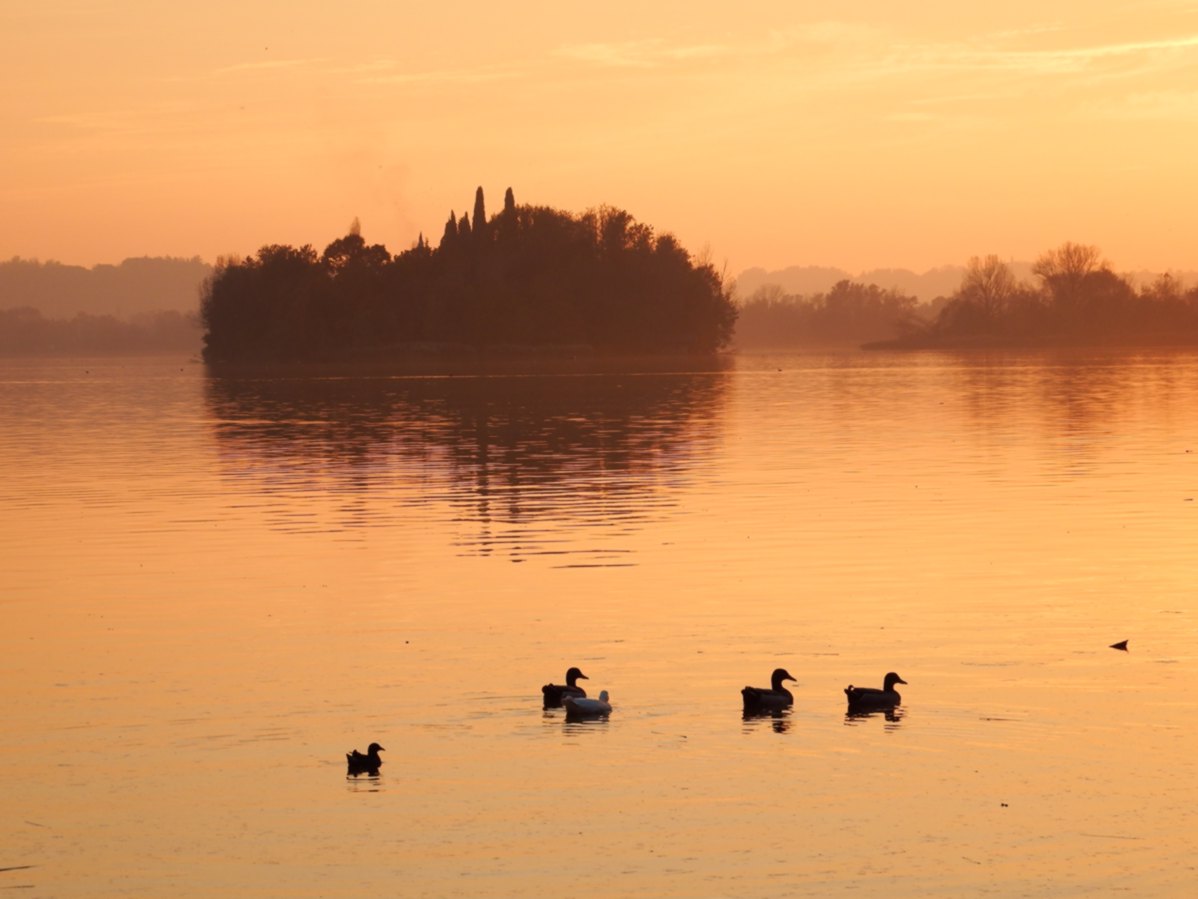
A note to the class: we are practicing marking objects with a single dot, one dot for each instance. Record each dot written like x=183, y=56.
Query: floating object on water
x=357, y=763
x=869, y=699
x=582, y=707
x=760, y=699
x=555, y=693
x=1122, y=644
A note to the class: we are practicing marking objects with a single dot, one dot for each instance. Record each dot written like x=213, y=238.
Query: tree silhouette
x=480, y=214
x=449, y=237
x=548, y=278
x=849, y=313
x=988, y=284
x=1080, y=300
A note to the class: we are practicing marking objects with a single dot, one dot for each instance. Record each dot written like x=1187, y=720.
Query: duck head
x=575, y=675
x=374, y=749
x=779, y=675
x=891, y=680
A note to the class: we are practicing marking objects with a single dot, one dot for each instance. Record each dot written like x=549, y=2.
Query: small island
x=529, y=279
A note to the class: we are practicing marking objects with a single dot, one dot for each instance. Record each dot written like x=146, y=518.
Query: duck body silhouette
x=776, y=697
x=582, y=707
x=555, y=694
x=871, y=699
x=357, y=763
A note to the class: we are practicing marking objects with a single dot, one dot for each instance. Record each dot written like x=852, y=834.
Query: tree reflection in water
x=507, y=452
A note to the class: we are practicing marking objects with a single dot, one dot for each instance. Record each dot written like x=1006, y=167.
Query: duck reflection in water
x=893, y=717
x=357, y=763
x=779, y=719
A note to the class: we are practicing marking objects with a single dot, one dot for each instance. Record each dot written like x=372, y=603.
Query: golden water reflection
x=508, y=455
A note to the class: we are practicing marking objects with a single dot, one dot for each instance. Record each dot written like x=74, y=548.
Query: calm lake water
x=213, y=588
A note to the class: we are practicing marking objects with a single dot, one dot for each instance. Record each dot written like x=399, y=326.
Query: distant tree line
x=59, y=291
x=529, y=277
x=809, y=280
x=1076, y=299
x=848, y=314
x=24, y=331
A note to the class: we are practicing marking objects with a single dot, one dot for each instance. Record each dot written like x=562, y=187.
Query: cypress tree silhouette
x=451, y=232
x=509, y=202
x=480, y=213
x=464, y=226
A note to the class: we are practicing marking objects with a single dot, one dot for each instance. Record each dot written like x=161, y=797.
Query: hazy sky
x=859, y=135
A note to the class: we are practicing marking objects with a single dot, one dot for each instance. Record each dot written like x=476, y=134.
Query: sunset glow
x=767, y=134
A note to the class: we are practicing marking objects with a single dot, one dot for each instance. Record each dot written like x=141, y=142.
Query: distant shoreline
x=456, y=360
x=981, y=343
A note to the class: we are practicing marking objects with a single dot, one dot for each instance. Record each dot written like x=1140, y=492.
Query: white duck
x=584, y=707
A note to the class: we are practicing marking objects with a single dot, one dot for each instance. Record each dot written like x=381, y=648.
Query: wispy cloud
x=640, y=54
x=656, y=52
x=380, y=72
x=849, y=51
x=1155, y=54
x=268, y=65
x=815, y=57
x=1162, y=105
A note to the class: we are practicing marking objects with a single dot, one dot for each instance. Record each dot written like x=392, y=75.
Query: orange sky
x=772, y=133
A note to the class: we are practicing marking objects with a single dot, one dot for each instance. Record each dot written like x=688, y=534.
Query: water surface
x=214, y=587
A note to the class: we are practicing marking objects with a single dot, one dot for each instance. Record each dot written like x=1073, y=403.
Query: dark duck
x=555, y=693
x=357, y=763
x=871, y=699
x=759, y=699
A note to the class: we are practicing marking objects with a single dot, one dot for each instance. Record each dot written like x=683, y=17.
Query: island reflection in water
x=531, y=461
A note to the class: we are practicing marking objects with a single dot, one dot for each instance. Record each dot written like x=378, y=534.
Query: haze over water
x=214, y=587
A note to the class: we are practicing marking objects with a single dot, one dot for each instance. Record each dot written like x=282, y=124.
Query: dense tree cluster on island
x=1078, y=300
x=529, y=277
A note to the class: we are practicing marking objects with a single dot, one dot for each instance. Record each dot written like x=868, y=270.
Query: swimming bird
x=870, y=699
x=555, y=693
x=364, y=764
x=1122, y=644
x=760, y=699
x=581, y=707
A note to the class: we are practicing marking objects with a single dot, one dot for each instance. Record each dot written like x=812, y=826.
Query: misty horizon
x=149, y=284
